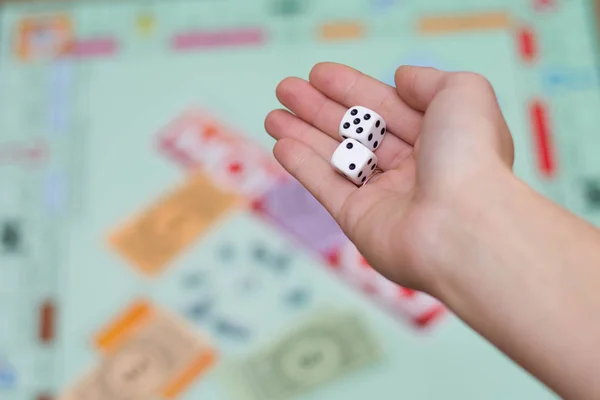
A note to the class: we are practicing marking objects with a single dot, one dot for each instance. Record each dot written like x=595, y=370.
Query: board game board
x=150, y=246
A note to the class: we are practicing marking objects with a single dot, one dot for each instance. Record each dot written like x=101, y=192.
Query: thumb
x=417, y=86
x=465, y=93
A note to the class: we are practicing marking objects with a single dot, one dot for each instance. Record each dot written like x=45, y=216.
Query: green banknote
x=326, y=347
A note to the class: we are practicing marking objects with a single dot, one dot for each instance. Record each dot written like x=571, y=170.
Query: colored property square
x=44, y=37
x=289, y=205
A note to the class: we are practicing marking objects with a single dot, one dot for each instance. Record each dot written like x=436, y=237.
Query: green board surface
x=85, y=102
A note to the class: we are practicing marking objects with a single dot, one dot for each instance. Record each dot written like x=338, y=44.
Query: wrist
x=522, y=272
x=464, y=233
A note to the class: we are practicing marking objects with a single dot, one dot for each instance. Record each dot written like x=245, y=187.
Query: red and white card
x=198, y=141
x=419, y=308
x=245, y=169
x=195, y=140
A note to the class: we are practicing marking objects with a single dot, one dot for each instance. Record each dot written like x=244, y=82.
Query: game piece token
x=200, y=310
x=297, y=297
x=230, y=329
x=259, y=252
x=281, y=261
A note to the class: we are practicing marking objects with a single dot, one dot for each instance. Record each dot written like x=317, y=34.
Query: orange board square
x=467, y=22
x=342, y=30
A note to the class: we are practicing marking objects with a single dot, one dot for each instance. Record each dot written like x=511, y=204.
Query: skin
x=448, y=216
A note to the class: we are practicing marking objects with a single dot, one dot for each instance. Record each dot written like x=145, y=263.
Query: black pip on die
x=364, y=125
x=354, y=161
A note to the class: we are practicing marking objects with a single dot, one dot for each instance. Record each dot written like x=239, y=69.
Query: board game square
x=44, y=37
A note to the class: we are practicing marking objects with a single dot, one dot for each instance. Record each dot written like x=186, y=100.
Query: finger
x=461, y=90
x=315, y=174
x=464, y=93
x=418, y=85
x=468, y=90
x=314, y=108
x=310, y=105
x=350, y=87
x=282, y=124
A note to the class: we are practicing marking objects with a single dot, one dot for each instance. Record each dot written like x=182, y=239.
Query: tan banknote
x=147, y=354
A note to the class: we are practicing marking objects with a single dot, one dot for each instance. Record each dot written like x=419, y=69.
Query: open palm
x=445, y=131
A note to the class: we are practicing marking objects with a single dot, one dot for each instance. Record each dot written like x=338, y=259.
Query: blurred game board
x=150, y=246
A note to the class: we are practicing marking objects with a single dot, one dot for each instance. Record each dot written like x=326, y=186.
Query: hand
x=447, y=137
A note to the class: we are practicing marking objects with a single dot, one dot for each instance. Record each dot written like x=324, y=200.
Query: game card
x=147, y=354
x=153, y=238
x=195, y=140
x=245, y=170
x=199, y=142
x=419, y=308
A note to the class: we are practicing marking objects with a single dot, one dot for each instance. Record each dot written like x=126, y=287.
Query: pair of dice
x=363, y=131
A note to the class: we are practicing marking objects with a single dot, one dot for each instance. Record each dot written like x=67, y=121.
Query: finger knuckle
x=319, y=112
x=473, y=79
x=409, y=78
x=343, y=215
x=300, y=163
x=352, y=88
x=388, y=103
x=301, y=134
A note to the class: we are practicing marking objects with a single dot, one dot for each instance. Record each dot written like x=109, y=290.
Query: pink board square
x=211, y=39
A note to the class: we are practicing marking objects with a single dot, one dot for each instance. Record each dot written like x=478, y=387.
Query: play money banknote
x=325, y=348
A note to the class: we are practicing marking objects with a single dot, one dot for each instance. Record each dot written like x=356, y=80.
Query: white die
x=364, y=125
x=354, y=161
